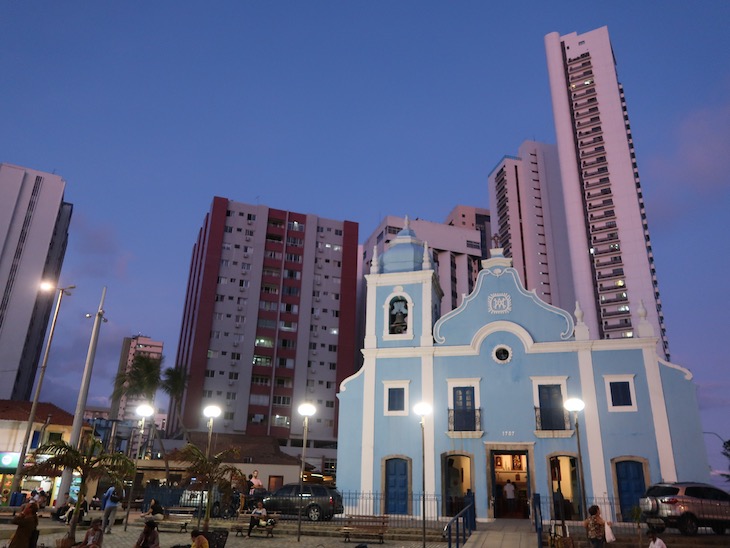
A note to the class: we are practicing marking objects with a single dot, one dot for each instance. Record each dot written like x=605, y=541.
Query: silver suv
x=686, y=506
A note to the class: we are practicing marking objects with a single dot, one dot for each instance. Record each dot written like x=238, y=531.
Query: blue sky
x=348, y=110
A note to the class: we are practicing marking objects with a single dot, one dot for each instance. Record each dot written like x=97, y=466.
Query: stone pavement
x=50, y=532
x=497, y=534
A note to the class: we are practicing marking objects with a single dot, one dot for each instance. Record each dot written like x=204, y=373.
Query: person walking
x=109, y=503
x=596, y=527
x=26, y=534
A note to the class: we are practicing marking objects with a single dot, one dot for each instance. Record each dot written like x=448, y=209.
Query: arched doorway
x=564, y=483
x=457, y=481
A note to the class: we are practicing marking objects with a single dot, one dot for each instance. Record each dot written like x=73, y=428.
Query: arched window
x=398, y=316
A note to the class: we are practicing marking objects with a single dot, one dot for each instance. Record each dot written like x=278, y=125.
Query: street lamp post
x=306, y=410
x=422, y=409
x=36, y=396
x=210, y=412
x=75, y=437
x=574, y=405
x=143, y=411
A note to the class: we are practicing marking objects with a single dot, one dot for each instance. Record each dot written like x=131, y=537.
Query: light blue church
x=496, y=372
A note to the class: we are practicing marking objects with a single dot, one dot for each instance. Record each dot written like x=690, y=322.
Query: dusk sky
x=349, y=110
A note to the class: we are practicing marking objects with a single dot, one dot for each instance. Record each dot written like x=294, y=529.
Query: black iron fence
x=702, y=517
x=403, y=512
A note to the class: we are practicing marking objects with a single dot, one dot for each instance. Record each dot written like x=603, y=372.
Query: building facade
x=125, y=408
x=527, y=203
x=497, y=371
x=269, y=323
x=34, y=223
x=51, y=424
x=608, y=236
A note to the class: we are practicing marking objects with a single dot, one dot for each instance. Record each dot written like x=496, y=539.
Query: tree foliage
x=144, y=378
x=90, y=461
x=208, y=471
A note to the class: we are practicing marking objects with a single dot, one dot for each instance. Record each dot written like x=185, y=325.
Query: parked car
x=686, y=506
x=318, y=502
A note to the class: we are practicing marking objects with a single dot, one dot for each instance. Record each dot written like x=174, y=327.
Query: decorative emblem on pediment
x=499, y=303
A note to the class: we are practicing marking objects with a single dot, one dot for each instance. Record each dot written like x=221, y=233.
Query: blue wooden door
x=631, y=486
x=396, y=490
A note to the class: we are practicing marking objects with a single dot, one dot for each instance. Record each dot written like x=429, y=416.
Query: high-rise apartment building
x=125, y=408
x=473, y=217
x=34, y=223
x=607, y=236
x=529, y=221
x=456, y=249
x=269, y=323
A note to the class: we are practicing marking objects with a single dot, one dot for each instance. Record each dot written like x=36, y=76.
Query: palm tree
x=142, y=378
x=89, y=460
x=174, y=384
x=209, y=470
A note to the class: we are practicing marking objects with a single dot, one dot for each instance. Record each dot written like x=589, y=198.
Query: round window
x=502, y=354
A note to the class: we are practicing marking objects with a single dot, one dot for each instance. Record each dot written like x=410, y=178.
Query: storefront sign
x=9, y=461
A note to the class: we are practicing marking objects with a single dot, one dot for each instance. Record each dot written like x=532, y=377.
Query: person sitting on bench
x=258, y=514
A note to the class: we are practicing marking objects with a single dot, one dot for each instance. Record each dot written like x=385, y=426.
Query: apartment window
x=251, y=217
x=293, y=258
x=332, y=347
x=291, y=291
x=329, y=403
x=233, y=376
x=264, y=361
x=284, y=401
x=287, y=326
x=230, y=396
x=333, y=366
x=620, y=393
x=287, y=343
x=209, y=373
x=259, y=399
x=212, y=354
x=235, y=355
x=207, y=393
x=395, y=396
x=280, y=420
x=296, y=226
x=286, y=363
x=260, y=380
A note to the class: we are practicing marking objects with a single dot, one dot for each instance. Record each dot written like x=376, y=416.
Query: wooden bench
x=365, y=526
x=241, y=529
x=178, y=516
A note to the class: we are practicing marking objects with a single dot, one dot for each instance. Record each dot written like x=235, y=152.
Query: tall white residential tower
x=607, y=233
x=34, y=222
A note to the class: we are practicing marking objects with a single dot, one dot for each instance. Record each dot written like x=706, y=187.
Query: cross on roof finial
x=496, y=239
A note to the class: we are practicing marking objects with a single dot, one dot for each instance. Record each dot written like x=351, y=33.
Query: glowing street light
x=45, y=286
x=422, y=409
x=144, y=411
x=574, y=405
x=210, y=412
x=306, y=410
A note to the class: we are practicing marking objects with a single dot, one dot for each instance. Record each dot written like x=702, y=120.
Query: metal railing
x=460, y=527
x=404, y=512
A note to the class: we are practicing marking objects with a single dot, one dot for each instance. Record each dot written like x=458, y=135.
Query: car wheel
x=314, y=513
x=719, y=529
x=688, y=525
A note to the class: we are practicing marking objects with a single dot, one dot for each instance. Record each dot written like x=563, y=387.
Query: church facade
x=496, y=372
